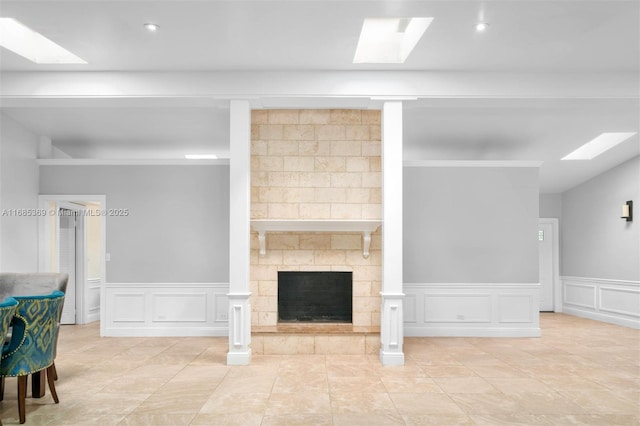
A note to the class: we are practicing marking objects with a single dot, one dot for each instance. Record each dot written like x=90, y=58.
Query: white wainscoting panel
x=93, y=300
x=612, y=301
x=166, y=309
x=472, y=309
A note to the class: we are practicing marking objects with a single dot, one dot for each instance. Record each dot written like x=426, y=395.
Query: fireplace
x=315, y=296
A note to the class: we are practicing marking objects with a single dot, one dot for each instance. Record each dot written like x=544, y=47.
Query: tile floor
x=579, y=372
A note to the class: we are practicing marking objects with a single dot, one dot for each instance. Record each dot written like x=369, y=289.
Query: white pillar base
x=239, y=329
x=391, y=329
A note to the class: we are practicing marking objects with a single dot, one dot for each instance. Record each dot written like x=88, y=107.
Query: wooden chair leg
x=2, y=388
x=38, y=385
x=55, y=372
x=52, y=387
x=22, y=396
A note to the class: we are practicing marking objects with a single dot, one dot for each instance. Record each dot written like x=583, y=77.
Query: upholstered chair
x=32, y=346
x=28, y=284
x=7, y=309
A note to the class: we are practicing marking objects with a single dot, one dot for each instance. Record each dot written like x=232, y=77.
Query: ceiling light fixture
x=32, y=45
x=482, y=27
x=200, y=156
x=151, y=27
x=389, y=40
x=597, y=146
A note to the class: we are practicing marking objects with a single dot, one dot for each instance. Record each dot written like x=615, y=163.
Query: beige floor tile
x=298, y=420
x=410, y=385
x=281, y=404
x=519, y=385
x=366, y=384
x=147, y=419
x=579, y=372
x=293, y=383
x=464, y=385
x=364, y=419
x=350, y=402
x=602, y=402
x=443, y=420
x=486, y=403
x=448, y=371
x=238, y=419
x=227, y=403
x=425, y=403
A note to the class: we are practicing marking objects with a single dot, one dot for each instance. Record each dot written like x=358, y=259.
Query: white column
x=239, y=234
x=391, y=322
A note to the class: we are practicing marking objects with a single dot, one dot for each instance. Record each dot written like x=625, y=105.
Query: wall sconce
x=627, y=211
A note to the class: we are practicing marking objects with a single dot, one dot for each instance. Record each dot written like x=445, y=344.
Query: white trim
x=631, y=283
x=618, y=313
x=166, y=309
x=470, y=163
x=168, y=285
x=239, y=309
x=18, y=88
x=129, y=162
x=392, y=297
x=557, y=285
x=472, y=309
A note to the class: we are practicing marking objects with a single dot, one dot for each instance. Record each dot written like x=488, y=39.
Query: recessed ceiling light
x=151, y=27
x=389, y=40
x=200, y=156
x=599, y=145
x=32, y=45
x=482, y=27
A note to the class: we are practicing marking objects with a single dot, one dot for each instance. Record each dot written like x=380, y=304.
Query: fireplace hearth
x=315, y=296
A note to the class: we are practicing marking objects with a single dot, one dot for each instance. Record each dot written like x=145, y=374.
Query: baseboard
x=239, y=358
x=391, y=358
x=472, y=332
x=166, y=332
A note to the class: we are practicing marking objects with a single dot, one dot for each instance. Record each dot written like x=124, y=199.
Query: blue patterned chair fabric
x=28, y=284
x=33, y=341
x=7, y=309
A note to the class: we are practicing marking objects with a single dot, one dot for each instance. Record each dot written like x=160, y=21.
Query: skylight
x=389, y=40
x=32, y=45
x=598, y=145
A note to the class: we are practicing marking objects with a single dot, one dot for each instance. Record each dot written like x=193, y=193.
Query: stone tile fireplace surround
x=316, y=165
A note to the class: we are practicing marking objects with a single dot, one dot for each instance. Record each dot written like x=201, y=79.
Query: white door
x=71, y=258
x=545, y=246
x=67, y=261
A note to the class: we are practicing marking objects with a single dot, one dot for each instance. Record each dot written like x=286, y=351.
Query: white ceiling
x=534, y=36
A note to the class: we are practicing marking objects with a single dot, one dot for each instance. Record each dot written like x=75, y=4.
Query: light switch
x=107, y=257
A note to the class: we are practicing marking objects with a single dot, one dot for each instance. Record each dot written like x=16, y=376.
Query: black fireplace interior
x=315, y=296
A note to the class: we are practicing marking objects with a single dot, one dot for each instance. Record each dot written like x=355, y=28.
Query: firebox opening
x=315, y=296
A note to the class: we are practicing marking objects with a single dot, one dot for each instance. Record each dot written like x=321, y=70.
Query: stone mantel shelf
x=366, y=227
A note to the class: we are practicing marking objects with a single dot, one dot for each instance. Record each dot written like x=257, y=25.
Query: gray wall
x=177, y=230
x=470, y=225
x=551, y=205
x=18, y=190
x=596, y=243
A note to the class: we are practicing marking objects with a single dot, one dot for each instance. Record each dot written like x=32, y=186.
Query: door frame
x=80, y=258
x=44, y=244
x=557, y=287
